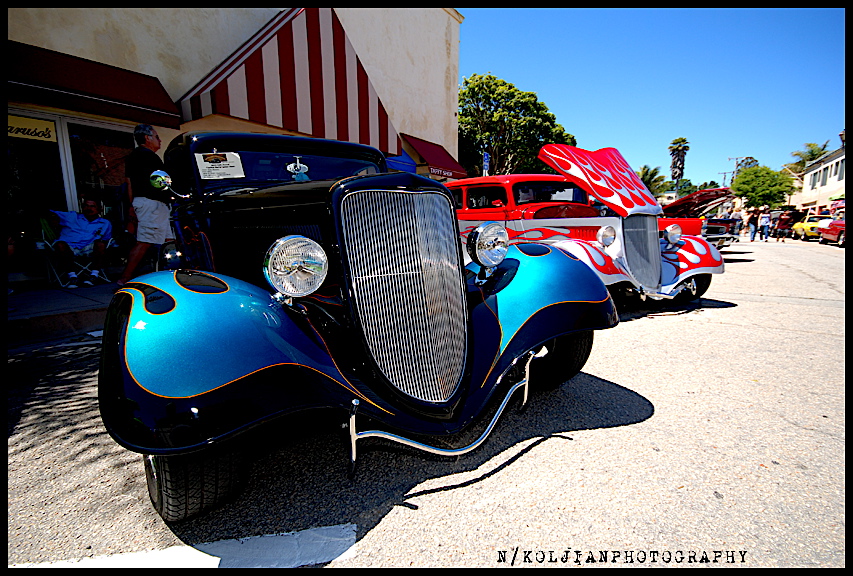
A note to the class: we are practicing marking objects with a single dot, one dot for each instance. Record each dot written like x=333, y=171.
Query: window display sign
x=218, y=165
x=32, y=128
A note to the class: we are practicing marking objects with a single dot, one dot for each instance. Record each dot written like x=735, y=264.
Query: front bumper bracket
x=523, y=384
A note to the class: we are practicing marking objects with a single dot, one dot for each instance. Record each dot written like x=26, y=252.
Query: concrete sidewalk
x=37, y=315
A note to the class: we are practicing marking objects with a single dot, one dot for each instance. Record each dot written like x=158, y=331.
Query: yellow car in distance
x=806, y=229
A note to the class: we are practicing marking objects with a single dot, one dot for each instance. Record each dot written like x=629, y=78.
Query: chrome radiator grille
x=402, y=251
x=642, y=249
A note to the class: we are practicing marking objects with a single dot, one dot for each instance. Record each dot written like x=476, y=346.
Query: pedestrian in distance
x=751, y=223
x=764, y=225
x=783, y=225
x=150, y=205
x=738, y=216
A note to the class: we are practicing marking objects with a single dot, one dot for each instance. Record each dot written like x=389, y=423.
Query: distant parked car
x=619, y=237
x=834, y=231
x=806, y=229
x=686, y=212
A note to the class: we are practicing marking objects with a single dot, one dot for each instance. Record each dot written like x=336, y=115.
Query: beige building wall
x=410, y=55
x=179, y=46
x=816, y=192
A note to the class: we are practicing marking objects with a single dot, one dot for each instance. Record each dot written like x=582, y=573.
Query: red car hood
x=695, y=204
x=605, y=174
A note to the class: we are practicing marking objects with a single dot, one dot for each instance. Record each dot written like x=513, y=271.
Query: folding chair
x=81, y=264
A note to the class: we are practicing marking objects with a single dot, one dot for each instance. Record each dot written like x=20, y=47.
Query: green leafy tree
x=685, y=187
x=678, y=150
x=760, y=186
x=742, y=163
x=810, y=153
x=709, y=185
x=509, y=124
x=653, y=179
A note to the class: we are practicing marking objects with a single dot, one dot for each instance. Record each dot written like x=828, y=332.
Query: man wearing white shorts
x=150, y=205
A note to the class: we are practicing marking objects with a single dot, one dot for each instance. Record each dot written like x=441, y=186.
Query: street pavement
x=709, y=434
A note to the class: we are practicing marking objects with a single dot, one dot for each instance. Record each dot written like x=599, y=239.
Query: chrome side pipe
x=523, y=383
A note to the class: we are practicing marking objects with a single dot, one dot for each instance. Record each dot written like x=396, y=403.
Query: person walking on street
x=738, y=217
x=150, y=204
x=764, y=225
x=783, y=225
x=750, y=223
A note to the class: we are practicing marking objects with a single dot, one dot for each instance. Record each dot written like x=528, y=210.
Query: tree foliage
x=509, y=124
x=678, y=150
x=761, y=186
x=810, y=153
x=653, y=179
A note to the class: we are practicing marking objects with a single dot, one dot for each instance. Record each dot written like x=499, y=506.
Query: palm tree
x=811, y=153
x=653, y=179
x=678, y=150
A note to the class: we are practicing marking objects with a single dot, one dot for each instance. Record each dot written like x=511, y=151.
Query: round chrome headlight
x=606, y=235
x=487, y=244
x=295, y=265
x=672, y=234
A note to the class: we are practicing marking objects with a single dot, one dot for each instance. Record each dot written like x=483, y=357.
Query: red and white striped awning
x=299, y=73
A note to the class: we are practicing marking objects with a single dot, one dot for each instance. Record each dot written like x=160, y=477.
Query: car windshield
x=526, y=192
x=248, y=170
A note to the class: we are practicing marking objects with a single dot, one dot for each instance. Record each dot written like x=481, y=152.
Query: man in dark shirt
x=150, y=205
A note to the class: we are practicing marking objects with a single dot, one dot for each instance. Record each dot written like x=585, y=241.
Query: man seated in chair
x=85, y=234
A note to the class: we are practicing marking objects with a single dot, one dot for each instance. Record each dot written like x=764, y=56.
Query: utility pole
x=724, y=177
x=737, y=165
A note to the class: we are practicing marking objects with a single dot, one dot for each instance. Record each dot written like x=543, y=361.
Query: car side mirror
x=497, y=203
x=162, y=181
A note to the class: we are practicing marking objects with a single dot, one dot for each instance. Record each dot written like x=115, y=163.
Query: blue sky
x=734, y=82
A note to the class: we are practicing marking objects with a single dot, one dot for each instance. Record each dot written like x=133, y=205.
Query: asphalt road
x=708, y=432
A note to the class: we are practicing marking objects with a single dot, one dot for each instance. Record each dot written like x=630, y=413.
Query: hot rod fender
x=191, y=358
x=690, y=256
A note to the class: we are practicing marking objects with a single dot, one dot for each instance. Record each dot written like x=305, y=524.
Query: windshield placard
x=219, y=165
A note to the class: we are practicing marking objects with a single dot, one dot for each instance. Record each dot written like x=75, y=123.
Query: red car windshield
x=527, y=192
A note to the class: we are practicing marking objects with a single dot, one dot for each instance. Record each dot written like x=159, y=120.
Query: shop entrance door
x=97, y=158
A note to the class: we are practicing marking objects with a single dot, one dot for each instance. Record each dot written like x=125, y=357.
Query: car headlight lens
x=295, y=266
x=487, y=244
x=672, y=233
x=606, y=235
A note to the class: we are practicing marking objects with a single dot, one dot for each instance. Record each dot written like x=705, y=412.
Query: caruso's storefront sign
x=32, y=128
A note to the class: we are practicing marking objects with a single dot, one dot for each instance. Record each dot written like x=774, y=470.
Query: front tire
x=184, y=486
x=703, y=282
x=565, y=358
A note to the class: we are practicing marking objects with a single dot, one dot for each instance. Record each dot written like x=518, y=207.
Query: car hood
x=695, y=204
x=605, y=174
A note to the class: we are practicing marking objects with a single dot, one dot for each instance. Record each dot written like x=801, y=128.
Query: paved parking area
x=710, y=434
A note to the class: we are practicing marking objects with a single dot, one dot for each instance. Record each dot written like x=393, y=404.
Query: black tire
x=565, y=358
x=703, y=282
x=181, y=487
x=804, y=237
x=841, y=240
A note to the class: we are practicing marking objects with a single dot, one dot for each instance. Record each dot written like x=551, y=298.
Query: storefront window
x=34, y=180
x=97, y=157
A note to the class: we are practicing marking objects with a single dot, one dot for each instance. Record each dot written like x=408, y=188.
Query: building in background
x=81, y=79
x=823, y=183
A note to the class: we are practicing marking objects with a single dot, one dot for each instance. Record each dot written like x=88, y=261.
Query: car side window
x=457, y=197
x=486, y=197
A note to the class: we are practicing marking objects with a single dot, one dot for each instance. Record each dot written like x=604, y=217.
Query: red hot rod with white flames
x=624, y=246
